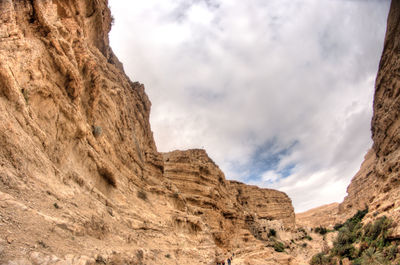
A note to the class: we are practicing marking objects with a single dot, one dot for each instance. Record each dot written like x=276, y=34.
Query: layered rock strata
x=225, y=206
x=266, y=204
x=81, y=181
x=80, y=176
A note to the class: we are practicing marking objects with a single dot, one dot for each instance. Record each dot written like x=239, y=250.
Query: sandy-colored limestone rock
x=357, y=198
x=225, y=206
x=325, y=216
x=266, y=204
x=80, y=177
x=377, y=184
x=240, y=217
x=203, y=189
x=81, y=181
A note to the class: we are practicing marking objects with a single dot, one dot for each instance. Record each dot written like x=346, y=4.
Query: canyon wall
x=226, y=206
x=80, y=176
x=81, y=181
x=266, y=204
x=377, y=184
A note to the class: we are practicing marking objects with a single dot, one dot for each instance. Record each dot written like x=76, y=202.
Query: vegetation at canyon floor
x=362, y=244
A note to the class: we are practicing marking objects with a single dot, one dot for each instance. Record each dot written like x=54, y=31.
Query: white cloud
x=270, y=176
x=200, y=14
x=276, y=86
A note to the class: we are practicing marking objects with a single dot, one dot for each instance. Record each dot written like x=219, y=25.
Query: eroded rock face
x=239, y=217
x=266, y=204
x=81, y=181
x=203, y=188
x=80, y=176
x=363, y=187
x=234, y=211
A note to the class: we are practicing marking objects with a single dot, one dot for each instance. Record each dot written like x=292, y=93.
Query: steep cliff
x=239, y=217
x=265, y=204
x=81, y=181
x=80, y=176
x=363, y=187
x=230, y=208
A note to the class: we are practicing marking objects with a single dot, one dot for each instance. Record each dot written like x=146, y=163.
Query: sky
x=279, y=92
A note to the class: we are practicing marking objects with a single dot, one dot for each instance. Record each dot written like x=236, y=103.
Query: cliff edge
x=81, y=180
x=377, y=184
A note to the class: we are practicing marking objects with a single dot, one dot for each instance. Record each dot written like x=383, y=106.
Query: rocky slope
x=81, y=181
x=325, y=216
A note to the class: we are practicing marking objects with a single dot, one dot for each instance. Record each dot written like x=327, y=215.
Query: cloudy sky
x=279, y=92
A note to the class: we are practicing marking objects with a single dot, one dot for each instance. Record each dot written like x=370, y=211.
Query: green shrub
x=378, y=229
x=357, y=261
x=321, y=259
x=349, y=233
x=344, y=236
x=374, y=247
x=321, y=230
x=391, y=252
x=371, y=256
x=279, y=246
x=344, y=251
x=357, y=217
x=338, y=226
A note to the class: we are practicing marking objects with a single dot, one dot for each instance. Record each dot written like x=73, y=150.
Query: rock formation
x=226, y=206
x=266, y=204
x=80, y=176
x=325, y=216
x=377, y=184
x=81, y=181
x=357, y=198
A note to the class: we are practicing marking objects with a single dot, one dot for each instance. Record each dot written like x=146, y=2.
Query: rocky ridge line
x=81, y=180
